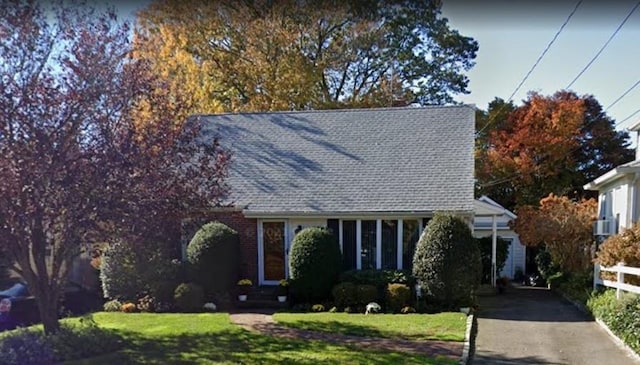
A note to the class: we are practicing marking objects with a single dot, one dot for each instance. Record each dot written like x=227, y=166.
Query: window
x=389, y=244
x=410, y=236
x=368, y=244
x=349, y=245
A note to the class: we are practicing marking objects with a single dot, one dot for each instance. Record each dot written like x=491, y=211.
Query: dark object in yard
x=15, y=291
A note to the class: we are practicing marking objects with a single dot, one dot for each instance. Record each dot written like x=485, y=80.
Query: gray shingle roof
x=357, y=160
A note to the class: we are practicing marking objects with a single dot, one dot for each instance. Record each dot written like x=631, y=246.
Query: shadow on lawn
x=235, y=347
x=342, y=328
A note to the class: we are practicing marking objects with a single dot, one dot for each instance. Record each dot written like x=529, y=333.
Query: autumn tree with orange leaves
x=550, y=144
x=564, y=226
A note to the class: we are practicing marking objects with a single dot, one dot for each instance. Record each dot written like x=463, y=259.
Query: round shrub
x=344, y=294
x=317, y=308
x=366, y=294
x=214, y=257
x=447, y=263
x=128, y=270
x=112, y=306
x=315, y=262
x=189, y=297
x=398, y=296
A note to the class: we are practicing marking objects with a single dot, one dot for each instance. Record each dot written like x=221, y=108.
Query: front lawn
x=441, y=326
x=213, y=339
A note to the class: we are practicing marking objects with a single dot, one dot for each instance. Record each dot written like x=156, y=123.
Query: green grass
x=213, y=339
x=441, y=326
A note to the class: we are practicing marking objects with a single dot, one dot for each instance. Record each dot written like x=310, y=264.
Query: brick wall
x=247, y=229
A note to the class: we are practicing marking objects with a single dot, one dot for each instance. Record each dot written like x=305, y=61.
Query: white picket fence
x=620, y=269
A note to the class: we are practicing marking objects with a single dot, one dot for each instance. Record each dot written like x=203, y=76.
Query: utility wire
x=627, y=118
x=623, y=95
x=544, y=52
x=603, y=46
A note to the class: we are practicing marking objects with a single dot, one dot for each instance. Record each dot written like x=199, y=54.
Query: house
x=483, y=227
x=374, y=176
x=618, y=195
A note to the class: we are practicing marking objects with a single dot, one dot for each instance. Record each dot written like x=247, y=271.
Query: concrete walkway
x=535, y=326
x=263, y=322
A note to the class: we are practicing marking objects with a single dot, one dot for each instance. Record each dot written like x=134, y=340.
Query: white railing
x=605, y=227
x=620, y=269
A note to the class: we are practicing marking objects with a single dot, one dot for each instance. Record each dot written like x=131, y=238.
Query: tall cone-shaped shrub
x=447, y=263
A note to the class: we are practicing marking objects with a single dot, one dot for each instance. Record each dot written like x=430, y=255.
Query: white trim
x=399, y=242
x=352, y=215
x=359, y=244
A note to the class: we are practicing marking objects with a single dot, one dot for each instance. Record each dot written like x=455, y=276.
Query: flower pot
x=282, y=298
x=242, y=297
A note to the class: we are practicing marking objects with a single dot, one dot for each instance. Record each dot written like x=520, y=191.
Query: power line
x=544, y=52
x=623, y=95
x=627, y=118
x=603, y=46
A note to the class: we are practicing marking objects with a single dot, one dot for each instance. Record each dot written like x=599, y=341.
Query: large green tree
x=549, y=144
x=281, y=55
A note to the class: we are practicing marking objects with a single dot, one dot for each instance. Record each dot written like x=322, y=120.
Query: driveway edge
x=632, y=354
x=469, y=340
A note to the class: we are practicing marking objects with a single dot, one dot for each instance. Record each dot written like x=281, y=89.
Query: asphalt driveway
x=535, y=326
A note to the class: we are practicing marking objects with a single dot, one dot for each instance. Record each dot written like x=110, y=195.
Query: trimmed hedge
x=379, y=278
x=447, y=263
x=129, y=271
x=344, y=294
x=621, y=316
x=398, y=296
x=189, y=297
x=214, y=258
x=315, y=262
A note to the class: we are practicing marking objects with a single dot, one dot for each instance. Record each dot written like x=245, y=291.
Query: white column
x=378, y=244
x=399, y=239
x=494, y=243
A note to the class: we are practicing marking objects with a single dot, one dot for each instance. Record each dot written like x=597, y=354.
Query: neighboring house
x=373, y=176
x=618, y=195
x=483, y=227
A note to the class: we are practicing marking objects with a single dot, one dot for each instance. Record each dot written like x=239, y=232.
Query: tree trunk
x=49, y=317
x=47, y=300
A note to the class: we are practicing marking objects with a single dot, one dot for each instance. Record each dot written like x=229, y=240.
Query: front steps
x=261, y=297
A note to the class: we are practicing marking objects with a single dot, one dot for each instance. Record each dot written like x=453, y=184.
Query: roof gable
x=356, y=160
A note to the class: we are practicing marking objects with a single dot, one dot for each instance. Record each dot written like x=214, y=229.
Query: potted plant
x=283, y=288
x=243, y=289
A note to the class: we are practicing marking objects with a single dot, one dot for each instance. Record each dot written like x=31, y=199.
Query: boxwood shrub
x=344, y=294
x=315, y=262
x=214, y=258
x=447, y=263
x=398, y=296
x=189, y=297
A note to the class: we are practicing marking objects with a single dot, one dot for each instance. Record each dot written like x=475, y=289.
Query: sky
x=513, y=34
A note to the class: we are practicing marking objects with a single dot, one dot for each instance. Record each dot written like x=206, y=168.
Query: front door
x=273, y=252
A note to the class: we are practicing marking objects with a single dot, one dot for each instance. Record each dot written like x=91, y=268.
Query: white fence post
x=619, y=279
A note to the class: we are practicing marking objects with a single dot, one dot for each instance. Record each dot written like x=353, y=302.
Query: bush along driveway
x=535, y=326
